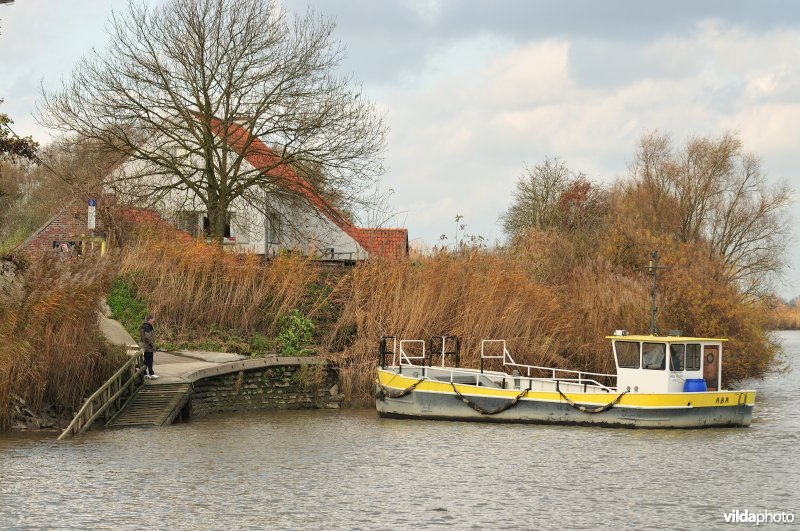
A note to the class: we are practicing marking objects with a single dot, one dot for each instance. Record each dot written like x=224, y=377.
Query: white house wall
x=304, y=229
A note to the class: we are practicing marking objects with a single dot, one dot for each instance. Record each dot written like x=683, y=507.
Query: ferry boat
x=660, y=382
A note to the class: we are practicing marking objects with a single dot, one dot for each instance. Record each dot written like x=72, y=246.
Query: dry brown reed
x=545, y=297
x=599, y=300
x=785, y=317
x=52, y=350
x=473, y=295
x=190, y=285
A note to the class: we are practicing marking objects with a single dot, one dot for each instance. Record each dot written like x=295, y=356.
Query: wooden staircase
x=153, y=405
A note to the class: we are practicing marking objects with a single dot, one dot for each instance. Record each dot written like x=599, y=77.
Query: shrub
x=295, y=332
x=126, y=306
x=261, y=345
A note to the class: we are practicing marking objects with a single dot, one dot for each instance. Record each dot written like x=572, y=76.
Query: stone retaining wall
x=293, y=385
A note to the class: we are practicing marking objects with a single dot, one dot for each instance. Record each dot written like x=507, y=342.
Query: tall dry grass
x=51, y=349
x=192, y=286
x=600, y=299
x=473, y=295
x=552, y=302
x=784, y=316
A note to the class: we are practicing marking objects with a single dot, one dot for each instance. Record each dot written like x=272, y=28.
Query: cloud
x=40, y=41
x=460, y=139
x=473, y=91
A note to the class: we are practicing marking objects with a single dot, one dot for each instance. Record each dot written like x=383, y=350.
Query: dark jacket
x=146, y=339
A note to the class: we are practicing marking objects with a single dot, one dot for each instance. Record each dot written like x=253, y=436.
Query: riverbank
x=552, y=302
x=224, y=382
x=553, y=311
x=52, y=351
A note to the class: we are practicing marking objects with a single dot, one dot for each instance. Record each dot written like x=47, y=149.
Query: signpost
x=91, y=219
x=91, y=216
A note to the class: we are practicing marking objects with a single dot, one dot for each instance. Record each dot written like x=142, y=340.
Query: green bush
x=125, y=306
x=261, y=345
x=295, y=333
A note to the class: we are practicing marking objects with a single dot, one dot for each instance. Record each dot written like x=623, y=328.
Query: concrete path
x=175, y=367
x=115, y=333
x=171, y=367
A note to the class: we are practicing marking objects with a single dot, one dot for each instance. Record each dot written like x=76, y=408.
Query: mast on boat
x=653, y=267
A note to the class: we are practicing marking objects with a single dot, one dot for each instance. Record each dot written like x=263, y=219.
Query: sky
x=475, y=90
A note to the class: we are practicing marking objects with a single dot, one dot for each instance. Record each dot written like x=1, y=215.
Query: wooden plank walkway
x=159, y=402
x=154, y=405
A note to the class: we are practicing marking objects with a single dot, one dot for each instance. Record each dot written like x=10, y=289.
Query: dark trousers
x=148, y=361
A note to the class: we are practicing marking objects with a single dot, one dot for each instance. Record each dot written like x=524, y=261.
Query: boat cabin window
x=627, y=354
x=654, y=356
x=693, y=357
x=677, y=357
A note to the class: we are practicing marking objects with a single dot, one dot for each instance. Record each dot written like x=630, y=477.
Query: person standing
x=147, y=342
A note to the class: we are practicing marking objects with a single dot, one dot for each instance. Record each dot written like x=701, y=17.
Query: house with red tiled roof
x=69, y=229
x=313, y=226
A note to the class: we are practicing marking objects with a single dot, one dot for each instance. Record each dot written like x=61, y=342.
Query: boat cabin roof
x=668, y=339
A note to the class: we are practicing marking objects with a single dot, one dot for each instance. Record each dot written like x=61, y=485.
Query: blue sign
x=92, y=202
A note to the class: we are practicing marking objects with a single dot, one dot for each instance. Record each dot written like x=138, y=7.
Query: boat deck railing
x=498, y=380
x=577, y=376
x=415, y=353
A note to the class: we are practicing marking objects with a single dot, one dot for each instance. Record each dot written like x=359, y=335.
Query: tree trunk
x=217, y=217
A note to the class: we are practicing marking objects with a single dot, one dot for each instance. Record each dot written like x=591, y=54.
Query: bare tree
x=191, y=88
x=713, y=191
x=550, y=196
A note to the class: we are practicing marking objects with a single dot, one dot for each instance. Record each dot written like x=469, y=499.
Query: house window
x=177, y=153
x=188, y=221
x=207, y=231
x=236, y=229
x=273, y=228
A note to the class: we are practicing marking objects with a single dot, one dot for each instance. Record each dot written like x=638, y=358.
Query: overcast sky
x=474, y=90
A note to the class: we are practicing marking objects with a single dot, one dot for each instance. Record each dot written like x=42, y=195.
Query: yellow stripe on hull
x=631, y=400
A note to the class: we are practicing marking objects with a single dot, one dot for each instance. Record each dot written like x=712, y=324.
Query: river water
x=350, y=469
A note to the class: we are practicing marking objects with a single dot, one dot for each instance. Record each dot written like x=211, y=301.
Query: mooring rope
x=383, y=391
x=483, y=411
x=591, y=410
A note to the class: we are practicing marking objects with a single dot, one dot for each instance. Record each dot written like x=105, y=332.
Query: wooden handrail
x=108, y=393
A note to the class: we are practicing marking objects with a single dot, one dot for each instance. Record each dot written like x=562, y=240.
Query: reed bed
x=785, y=317
x=192, y=286
x=51, y=349
x=599, y=300
x=551, y=301
x=485, y=295
x=473, y=295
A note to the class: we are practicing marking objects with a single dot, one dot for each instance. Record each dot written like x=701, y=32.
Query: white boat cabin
x=667, y=364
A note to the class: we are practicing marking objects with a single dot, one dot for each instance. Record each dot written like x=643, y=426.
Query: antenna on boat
x=653, y=267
